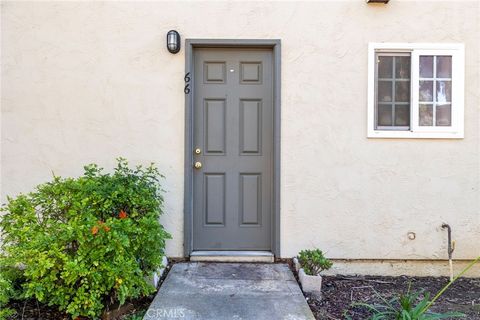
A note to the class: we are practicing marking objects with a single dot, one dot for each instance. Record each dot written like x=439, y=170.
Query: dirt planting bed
x=340, y=292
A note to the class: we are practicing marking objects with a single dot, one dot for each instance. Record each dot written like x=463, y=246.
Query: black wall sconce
x=377, y=1
x=173, y=41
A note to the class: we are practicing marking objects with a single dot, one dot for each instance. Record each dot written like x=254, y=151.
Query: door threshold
x=232, y=256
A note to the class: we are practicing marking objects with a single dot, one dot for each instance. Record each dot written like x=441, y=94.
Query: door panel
x=215, y=126
x=250, y=126
x=214, y=199
x=250, y=199
x=233, y=127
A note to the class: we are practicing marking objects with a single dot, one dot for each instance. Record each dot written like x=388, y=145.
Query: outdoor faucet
x=450, y=248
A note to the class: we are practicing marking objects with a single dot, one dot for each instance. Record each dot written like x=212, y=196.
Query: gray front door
x=233, y=128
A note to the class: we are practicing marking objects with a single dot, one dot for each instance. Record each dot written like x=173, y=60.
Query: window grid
x=434, y=101
x=393, y=101
x=451, y=91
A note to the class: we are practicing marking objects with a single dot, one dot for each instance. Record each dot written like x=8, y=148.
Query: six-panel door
x=233, y=128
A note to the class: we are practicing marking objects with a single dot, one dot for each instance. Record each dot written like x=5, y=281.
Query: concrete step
x=226, y=291
x=232, y=256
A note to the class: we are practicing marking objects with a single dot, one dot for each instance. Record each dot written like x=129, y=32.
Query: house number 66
x=187, y=81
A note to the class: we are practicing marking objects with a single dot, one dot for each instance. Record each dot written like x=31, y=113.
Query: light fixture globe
x=173, y=41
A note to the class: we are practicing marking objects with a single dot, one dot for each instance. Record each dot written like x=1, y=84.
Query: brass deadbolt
x=198, y=151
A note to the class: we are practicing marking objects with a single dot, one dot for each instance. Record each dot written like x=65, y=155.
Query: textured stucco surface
x=87, y=82
x=421, y=268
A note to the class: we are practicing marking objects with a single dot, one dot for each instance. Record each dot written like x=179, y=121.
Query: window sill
x=414, y=135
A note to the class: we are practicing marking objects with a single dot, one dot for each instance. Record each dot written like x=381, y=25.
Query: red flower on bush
x=103, y=225
x=122, y=214
x=100, y=224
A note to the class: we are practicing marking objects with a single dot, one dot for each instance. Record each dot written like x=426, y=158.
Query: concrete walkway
x=229, y=291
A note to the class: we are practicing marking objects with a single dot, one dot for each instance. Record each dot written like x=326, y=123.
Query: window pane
x=402, y=67
x=402, y=115
x=385, y=66
x=384, y=91
x=444, y=115
x=426, y=115
x=402, y=91
x=385, y=115
x=426, y=91
x=444, y=91
x=444, y=67
x=436, y=91
x=426, y=66
x=393, y=91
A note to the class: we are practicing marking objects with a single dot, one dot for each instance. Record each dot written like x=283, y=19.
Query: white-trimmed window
x=415, y=90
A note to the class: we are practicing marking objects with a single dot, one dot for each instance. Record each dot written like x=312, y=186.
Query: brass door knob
x=197, y=165
x=198, y=151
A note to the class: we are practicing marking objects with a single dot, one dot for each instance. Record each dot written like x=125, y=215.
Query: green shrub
x=313, y=261
x=6, y=291
x=85, y=243
x=10, y=278
x=136, y=316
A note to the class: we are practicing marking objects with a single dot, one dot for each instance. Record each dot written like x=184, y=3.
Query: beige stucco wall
x=87, y=82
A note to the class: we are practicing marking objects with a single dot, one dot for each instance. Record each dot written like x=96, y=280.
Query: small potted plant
x=309, y=264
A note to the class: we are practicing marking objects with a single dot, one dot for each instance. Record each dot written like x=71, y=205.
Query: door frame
x=190, y=46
